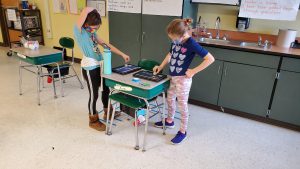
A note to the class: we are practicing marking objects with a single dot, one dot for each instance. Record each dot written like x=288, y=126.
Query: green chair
x=66, y=43
x=147, y=64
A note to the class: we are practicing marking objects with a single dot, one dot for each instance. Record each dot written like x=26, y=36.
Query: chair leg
x=77, y=77
x=157, y=106
x=54, y=88
x=137, y=147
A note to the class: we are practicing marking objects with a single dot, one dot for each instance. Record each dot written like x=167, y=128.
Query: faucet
x=259, y=43
x=217, y=27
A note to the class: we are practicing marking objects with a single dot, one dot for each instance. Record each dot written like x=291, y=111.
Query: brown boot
x=95, y=123
x=117, y=113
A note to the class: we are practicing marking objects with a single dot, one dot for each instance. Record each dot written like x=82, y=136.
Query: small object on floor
x=49, y=79
x=179, y=138
x=52, y=148
x=136, y=80
x=141, y=120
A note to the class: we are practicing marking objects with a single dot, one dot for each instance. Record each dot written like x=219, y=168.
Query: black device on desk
x=295, y=44
x=148, y=75
x=126, y=69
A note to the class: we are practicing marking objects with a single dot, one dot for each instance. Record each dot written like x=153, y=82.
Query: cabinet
x=246, y=88
x=142, y=36
x=206, y=84
x=28, y=25
x=285, y=106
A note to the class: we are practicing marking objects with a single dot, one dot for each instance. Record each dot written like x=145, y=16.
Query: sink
x=209, y=40
x=251, y=44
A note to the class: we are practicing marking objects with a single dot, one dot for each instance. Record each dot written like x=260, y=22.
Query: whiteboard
x=273, y=10
x=228, y=2
x=163, y=7
x=127, y=6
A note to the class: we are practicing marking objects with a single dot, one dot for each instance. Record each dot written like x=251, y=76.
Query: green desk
x=38, y=58
x=145, y=93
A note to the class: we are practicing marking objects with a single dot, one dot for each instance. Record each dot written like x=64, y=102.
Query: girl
x=182, y=51
x=85, y=34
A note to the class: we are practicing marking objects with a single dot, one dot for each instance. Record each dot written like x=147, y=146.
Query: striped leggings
x=180, y=87
x=93, y=79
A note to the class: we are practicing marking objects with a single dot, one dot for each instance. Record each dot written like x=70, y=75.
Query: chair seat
x=128, y=100
x=61, y=65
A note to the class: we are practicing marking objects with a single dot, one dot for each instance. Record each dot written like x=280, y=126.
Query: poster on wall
x=226, y=2
x=99, y=5
x=273, y=10
x=126, y=6
x=60, y=6
x=163, y=7
x=76, y=6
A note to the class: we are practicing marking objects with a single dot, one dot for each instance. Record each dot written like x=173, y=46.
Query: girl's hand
x=126, y=58
x=156, y=69
x=190, y=73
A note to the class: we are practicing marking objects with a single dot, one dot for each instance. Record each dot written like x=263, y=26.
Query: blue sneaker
x=179, y=138
x=168, y=125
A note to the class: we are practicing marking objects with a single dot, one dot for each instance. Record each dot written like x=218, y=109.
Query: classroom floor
x=56, y=135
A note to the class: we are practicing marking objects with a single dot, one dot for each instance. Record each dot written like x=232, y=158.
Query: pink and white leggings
x=180, y=87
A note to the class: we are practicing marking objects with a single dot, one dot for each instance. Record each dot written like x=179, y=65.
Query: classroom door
x=125, y=34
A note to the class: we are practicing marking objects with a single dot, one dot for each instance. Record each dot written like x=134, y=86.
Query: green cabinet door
x=155, y=41
x=246, y=88
x=285, y=106
x=206, y=84
x=125, y=34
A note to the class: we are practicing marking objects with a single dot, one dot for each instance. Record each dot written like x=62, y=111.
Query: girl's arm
x=157, y=69
x=208, y=59
x=113, y=49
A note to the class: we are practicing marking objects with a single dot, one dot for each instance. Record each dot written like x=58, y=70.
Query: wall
x=1, y=38
x=228, y=16
x=62, y=25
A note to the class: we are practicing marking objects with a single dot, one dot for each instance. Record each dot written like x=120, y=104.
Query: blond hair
x=179, y=26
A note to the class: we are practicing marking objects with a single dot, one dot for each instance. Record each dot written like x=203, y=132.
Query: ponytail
x=179, y=26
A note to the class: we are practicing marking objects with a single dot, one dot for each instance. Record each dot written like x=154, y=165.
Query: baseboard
x=247, y=115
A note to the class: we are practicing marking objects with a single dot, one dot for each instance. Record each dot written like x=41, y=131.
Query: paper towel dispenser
x=242, y=23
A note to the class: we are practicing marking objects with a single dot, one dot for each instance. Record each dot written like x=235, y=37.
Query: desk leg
x=163, y=113
x=146, y=126
x=20, y=77
x=38, y=84
x=107, y=117
x=137, y=146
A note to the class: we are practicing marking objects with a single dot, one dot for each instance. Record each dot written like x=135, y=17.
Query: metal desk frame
x=109, y=129
x=39, y=74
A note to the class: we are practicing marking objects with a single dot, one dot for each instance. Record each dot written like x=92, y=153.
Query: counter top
x=274, y=50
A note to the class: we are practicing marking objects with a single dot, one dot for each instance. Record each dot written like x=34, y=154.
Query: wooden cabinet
x=10, y=3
